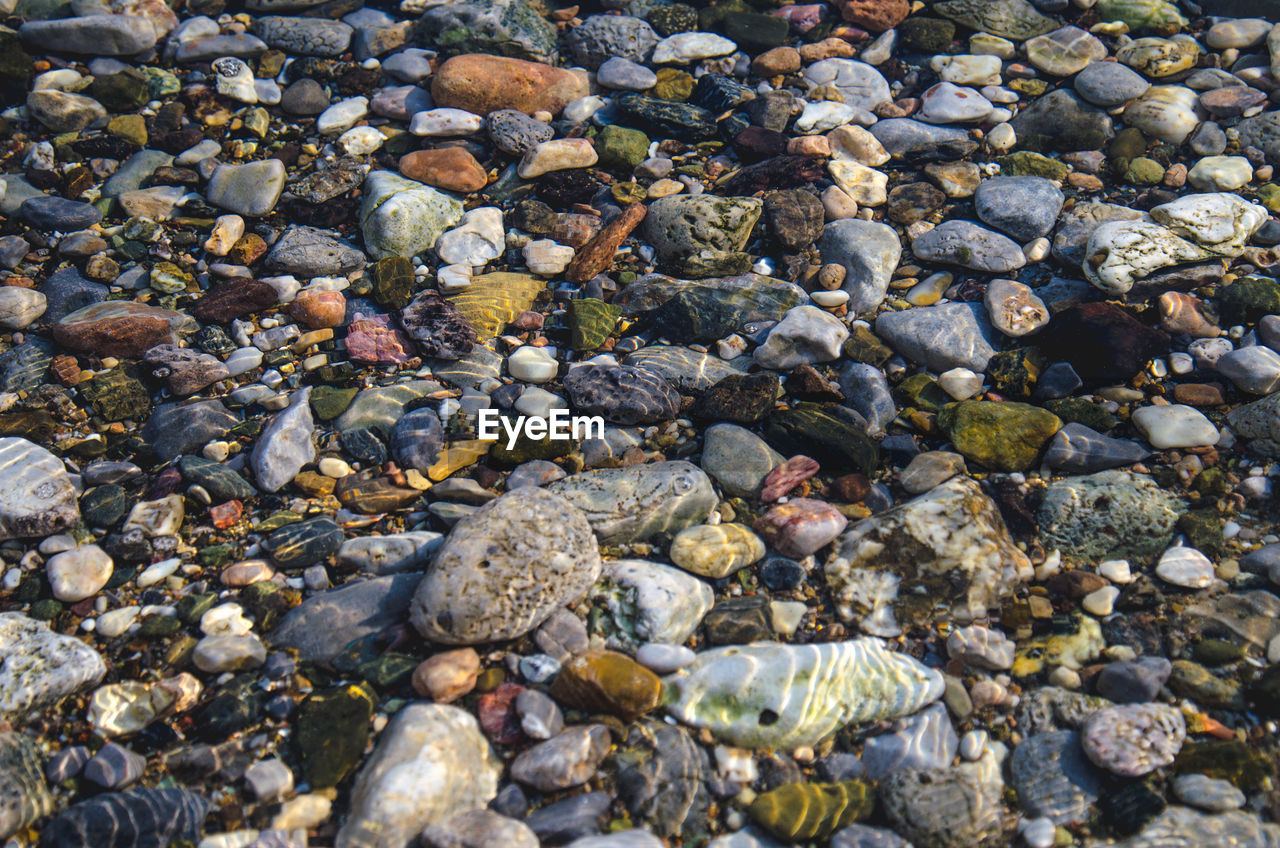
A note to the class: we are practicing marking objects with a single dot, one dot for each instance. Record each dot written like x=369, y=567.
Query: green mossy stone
x=1081, y=411
x=835, y=443
x=1014, y=372
x=591, y=322
x=116, y=394
x=328, y=402
x=1203, y=529
x=1001, y=436
x=1247, y=300
x=755, y=31
x=1269, y=196
x=1245, y=766
x=1027, y=163
x=1144, y=172
x=1217, y=652
x=799, y=812
x=330, y=731
x=865, y=346
x=922, y=392
x=392, y=282
x=673, y=84
x=927, y=35
x=621, y=147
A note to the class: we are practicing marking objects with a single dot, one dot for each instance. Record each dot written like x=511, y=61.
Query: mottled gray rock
x=966, y=244
x=925, y=740
x=621, y=394
x=36, y=495
x=1109, y=84
x=41, y=667
x=285, y=446
x=431, y=763
x=92, y=35
x=24, y=797
x=567, y=760
x=326, y=622
x=869, y=252
x=904, y=137
x=602, y=37
x=952, y=335
x=139, y=817
x=1024, y=208
x=1109, y=515
x=1054, y=779
x=506, y=27
x=479, y=829
x=308, y=252
x=307, y=36
x=1077, y=449
x=251, y=189
x=505, y=568
x=638, y=502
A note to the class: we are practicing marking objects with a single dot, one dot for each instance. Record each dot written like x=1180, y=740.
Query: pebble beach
x=639, y=424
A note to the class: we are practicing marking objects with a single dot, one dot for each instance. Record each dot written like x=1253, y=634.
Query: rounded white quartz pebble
x=225, y=620
x=973, y=744
x=361, y=141
x=342, y=115
x=1175, y=426
x=1185, y=567
x=546, y=257
x=79, y=573
x=533, y=364
x=216, y=654
x=153, y=574
x=1100, y=602
x=445, y=122
x=112, y=624
x=1039, y=833
x=1116, y=570
x=960, y=383
x=334, y=468
x=664, y=659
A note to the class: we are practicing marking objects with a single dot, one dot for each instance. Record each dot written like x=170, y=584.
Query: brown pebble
x=1198, y=394
x=446, y=677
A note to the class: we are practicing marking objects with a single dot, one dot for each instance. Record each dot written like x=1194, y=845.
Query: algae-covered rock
x=641, y=501
x=1109, y=515
x=945, y=552
x=401, y=217
x=803, y=811
x=607, y=681
x=1002, y=436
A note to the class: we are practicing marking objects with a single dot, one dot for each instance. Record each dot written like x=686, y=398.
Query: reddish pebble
x=802, y=17
x=850, y=488
x=319, y=309
x=801, y=527
x=375, y=341
x=810, y=145
x=498, y=716
x=224, y=515
x=787, y=476
x=528, y=320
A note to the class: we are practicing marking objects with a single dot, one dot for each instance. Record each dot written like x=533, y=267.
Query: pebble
x=1185, y=567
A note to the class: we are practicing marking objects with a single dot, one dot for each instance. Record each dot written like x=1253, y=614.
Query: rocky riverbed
x=937, y=350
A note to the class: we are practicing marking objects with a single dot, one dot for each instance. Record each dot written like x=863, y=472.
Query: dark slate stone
x=298, y=545
x=682, y=121
x=178, y=428
x=1102, y=341
x=140, y=818
x=622, y=394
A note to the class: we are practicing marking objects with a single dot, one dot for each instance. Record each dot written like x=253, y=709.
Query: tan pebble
x=247, y=573
x=448, y=676
x=716, y=550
